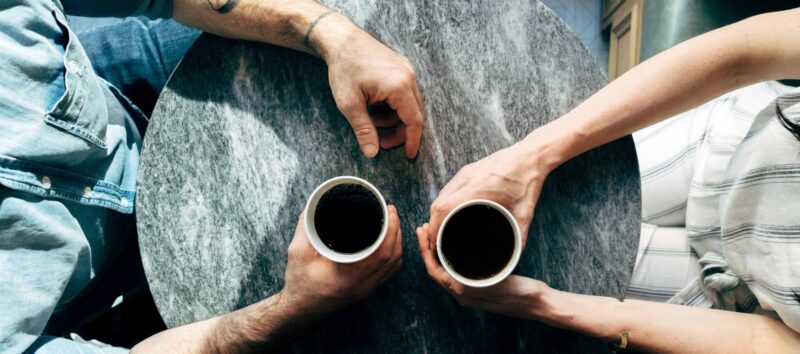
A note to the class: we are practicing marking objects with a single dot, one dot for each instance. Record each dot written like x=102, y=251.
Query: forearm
x=265, y=326
x=280, y=22
x=665, y=328
x=681, y=78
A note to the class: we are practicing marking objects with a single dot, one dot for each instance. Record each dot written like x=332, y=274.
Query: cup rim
x=512, y=263
x=311, y=231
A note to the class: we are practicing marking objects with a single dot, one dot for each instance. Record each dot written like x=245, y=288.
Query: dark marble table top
x=244, y=132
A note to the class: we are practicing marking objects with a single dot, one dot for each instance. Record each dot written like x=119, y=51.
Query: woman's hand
x=510, y=177
x=515, y=296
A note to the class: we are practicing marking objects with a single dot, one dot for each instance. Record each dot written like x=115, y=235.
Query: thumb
x=366, y=134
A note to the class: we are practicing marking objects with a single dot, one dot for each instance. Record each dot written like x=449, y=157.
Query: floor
x=583, y=17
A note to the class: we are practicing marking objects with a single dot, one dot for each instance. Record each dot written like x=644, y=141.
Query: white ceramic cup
x=512, y=263
x=311, y=230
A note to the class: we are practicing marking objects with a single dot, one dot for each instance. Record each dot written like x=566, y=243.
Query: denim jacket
x=65, y=135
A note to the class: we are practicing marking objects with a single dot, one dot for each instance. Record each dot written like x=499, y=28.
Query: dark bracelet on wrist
x=306, y=41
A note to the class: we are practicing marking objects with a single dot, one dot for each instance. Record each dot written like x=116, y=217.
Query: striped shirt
x=721, y=206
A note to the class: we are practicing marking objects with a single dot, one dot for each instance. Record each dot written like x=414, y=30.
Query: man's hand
x=363, y=74
x=515, y=296
x=317, y=285
x=507, y=177
x=314, y=288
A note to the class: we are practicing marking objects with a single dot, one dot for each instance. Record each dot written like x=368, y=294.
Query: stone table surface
x=244, y=131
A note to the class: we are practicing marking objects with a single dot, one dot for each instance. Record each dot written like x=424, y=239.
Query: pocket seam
x=66, y=118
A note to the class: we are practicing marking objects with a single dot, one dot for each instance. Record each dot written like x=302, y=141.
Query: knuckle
x=363, y=131
x=458, y=291
x=346, y=105
x=382, y=259
x=438, y=206
x=384, y=255
x=412, y=74
x=467, y=169
x=408, y=78
x=397, y=85
x=430, y=273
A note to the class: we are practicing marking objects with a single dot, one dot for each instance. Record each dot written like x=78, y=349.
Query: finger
x=393, y=235
x=433, y=267
x=385, y=253
x=413, y=134
x=364, y=129
x=300, y=243
x=391, y=271
x=385, y=271
x=418, y=97
x=421, y=105
x=386, y=120
x=395, y=138
x=398, y=246
x=435, y=222
x=382, y=115
x=524, y=216
x=405, y=104
x=376, y=265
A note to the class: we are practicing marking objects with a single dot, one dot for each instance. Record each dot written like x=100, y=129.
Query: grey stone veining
x=245, y=131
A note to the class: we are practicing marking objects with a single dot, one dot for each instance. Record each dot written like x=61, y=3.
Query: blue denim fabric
x=135, y=54
x=75, y=139
x=51, y=251
x=69, y=155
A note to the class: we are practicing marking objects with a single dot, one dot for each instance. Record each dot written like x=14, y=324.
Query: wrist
x=595, y=316
x=543, y=308
x=329, y=34
x=548, y=147
x=306, y=307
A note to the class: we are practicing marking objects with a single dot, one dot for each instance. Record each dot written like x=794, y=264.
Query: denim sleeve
x=119, y=8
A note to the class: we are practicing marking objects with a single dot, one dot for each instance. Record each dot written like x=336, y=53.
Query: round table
x=244, y=131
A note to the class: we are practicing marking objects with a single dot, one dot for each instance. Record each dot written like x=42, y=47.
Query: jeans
x=136, y=55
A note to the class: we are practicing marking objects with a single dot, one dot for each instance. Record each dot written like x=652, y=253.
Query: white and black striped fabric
x=721, y=206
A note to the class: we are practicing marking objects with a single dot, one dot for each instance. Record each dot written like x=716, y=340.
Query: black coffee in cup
x=478, y=242
x=348, y=218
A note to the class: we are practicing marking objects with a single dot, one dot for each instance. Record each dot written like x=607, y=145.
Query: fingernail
x=370, y=150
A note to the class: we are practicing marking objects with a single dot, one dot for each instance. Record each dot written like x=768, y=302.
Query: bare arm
x=652, y=327
x=314, y=288
x=664, y=328
x=753, y=50
x=361, y=70
x=280, y=22
x=757, y=49
x=265, y=326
